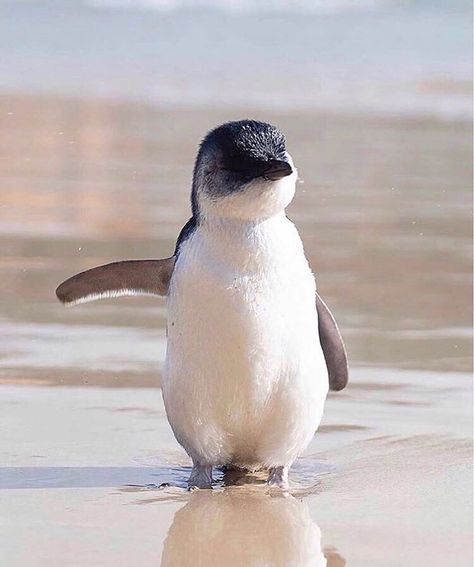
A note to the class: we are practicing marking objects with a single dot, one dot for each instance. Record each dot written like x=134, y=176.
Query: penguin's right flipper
x=333, y=347
x=130, y=277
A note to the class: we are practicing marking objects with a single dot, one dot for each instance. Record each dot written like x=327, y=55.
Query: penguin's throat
x=255, y=202
x=243, y=243
x=241, y=229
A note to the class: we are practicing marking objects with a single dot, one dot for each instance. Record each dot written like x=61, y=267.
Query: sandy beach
x=85, y=443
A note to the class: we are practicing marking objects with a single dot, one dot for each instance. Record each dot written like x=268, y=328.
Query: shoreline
x=120, y=103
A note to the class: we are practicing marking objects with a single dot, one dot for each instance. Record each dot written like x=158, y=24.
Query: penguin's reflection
x=243, y=527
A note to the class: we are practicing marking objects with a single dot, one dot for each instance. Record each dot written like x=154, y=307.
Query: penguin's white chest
x=245, y=378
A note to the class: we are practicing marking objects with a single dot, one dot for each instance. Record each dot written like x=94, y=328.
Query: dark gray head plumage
x=236, y=153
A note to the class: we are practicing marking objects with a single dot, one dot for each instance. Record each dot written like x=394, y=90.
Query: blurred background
x=102, y=106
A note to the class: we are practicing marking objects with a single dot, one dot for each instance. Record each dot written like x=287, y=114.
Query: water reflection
x=243, y=527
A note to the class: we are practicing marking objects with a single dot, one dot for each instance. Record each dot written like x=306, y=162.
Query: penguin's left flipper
x=333, y=347
x=130, y=277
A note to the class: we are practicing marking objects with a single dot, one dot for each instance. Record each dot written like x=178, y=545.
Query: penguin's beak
x=272, y=169
x=276, y=169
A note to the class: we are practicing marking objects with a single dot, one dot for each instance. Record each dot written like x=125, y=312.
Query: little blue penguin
x=252, y=348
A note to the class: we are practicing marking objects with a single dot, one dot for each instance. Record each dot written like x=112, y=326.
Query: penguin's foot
x=201, y=477
x=278, y=477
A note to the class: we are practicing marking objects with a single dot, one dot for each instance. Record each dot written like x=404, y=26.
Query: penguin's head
x=243, y=171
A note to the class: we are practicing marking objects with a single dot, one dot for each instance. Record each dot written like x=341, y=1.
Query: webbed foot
x=278, y=477
x=201, y=477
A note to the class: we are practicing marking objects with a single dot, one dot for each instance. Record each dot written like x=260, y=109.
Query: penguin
x=252, y=348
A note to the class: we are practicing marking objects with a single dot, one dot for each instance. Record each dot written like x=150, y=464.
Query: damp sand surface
x=384, y=210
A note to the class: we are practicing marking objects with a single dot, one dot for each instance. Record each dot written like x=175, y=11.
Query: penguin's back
x=245, y=378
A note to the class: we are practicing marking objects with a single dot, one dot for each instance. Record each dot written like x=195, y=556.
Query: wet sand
x=384, y=212
x=383, y=483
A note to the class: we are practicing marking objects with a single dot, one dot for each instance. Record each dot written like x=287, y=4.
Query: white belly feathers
x=245, y=378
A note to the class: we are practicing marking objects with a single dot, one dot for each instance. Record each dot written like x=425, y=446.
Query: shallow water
x=385, y=215
x=384, y=482
x=383, y=207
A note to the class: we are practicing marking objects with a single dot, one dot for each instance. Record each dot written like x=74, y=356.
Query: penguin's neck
x=245, y=243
